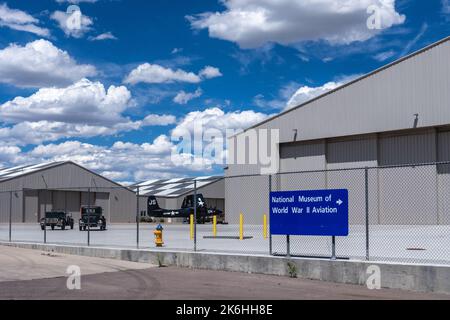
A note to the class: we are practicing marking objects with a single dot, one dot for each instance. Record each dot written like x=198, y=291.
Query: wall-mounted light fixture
x=416, y=120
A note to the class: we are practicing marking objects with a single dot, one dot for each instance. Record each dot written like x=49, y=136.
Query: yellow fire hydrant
x=159, y=236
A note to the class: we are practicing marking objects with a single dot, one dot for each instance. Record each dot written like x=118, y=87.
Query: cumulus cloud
x=127, y=161
x=216, y=118
x=103, y=36
x=123, y=161
x=8, y=154
x=159, y=120
x=84, y=109
x=184, y=97
x=154, y=73
x=20, y=20
x=63, y=20
x=210, y=72
x=82, y=102
x=307, y=93
x=252, y=23
x=40, y=64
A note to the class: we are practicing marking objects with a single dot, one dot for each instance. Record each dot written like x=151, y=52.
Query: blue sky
x=110, y=93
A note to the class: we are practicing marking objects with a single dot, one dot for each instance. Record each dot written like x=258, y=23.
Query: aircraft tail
x=153, y=203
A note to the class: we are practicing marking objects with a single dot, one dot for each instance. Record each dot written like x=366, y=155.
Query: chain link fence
x=396, y=214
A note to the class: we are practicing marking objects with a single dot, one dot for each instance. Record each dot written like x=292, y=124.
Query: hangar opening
x=30, y=191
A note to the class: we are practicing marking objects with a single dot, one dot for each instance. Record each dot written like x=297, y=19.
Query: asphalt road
x=33, y=274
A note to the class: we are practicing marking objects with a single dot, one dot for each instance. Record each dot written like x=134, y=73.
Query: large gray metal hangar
x=396, y=115
x=61, y=186
x=170, y=193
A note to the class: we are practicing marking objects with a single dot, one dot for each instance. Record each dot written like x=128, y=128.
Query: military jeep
x=92, y=217
x=58, y=219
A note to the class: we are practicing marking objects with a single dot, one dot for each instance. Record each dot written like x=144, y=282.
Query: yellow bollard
x=265, y=227
x=192, y=226
x=215, y=226
x=241, y=227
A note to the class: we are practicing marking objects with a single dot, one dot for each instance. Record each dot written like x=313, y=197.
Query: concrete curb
x=421, y=278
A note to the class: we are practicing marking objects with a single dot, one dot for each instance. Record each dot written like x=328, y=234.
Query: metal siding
x=409, y=148
x=73, y=202
x=4, y=207
x=249, y=196
x=102, y=200
x=31, y=208
x=59, y=200
x=357, y=152
x=45, y=202
x=408, y=195
x=385, y=101
x=302, y=156
x=444, y=177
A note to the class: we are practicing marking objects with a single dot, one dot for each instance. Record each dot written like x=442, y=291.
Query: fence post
x=270, y=234
x=265, y=226
x=367, y=212
x=288, y=246
x=241, y=226
x=89, y=218
x=10, y=216
x=45, y=216
x=333, y=248
x=137, y=218
x=195, y=214
x=191, y=222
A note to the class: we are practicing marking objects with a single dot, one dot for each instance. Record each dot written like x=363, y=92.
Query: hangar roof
x=20, y=171
x=173, y=188
x=387, y=99
x=11, y=173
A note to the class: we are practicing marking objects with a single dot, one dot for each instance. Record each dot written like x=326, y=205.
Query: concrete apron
x=421, y=278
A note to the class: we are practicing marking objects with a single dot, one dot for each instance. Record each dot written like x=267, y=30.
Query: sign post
x=310, y=213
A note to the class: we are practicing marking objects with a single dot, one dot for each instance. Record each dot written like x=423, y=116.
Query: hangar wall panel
x=102, y=200
x=122, y=206
x=249, y=196
x=408, y=194
x=73, y=204
x=45, y=202
x=59, y=200
x=305, y=155
x=4, y=207
x=31, y=208
x=444, y=177
x=355, y=152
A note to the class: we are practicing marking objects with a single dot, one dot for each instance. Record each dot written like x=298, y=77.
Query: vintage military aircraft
x=204, y=214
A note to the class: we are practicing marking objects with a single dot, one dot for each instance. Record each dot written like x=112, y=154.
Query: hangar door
x=407, y=195
x=37, y=202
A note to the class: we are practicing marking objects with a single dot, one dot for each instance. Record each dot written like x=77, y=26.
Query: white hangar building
x=393, y=116
x=29, y=191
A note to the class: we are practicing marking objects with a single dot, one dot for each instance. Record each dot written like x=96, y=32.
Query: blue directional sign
x=309, y=213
